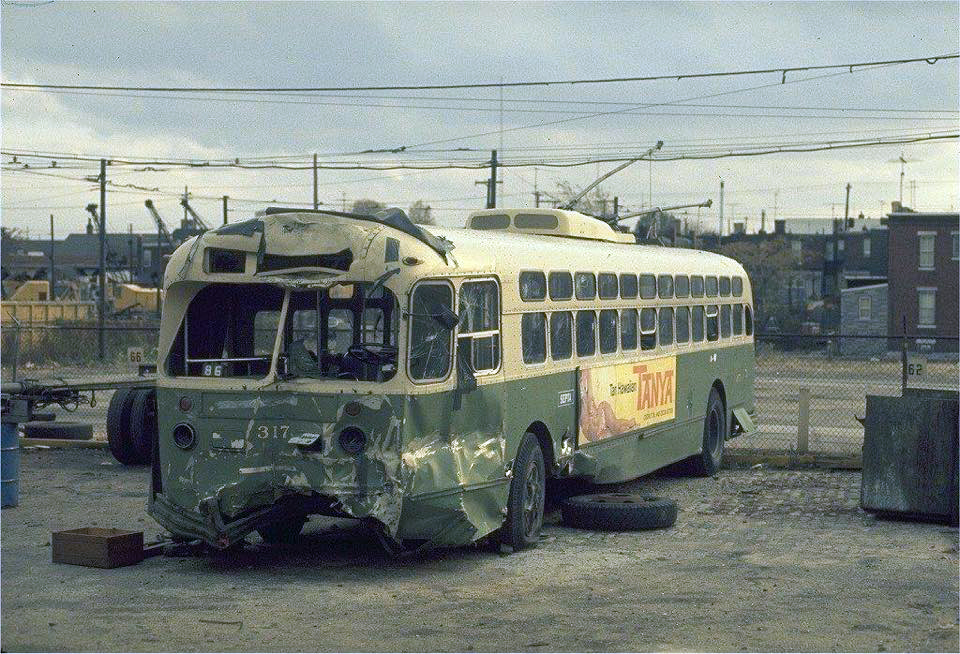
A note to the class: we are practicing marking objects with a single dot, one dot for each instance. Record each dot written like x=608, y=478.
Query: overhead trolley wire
x=783, y=70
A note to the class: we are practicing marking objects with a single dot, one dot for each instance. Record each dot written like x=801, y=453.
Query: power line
x=850, y=67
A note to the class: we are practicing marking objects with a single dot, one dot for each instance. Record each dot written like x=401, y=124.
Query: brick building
x=923, y=277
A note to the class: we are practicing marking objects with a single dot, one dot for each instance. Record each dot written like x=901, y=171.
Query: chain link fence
x=810, y=390
x=70, y=353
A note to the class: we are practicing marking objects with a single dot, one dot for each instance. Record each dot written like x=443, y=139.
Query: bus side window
x=586, y=285
x=748, y=319
x=608, y=286
x=737, y=319
x=586, y=333
x=628, y=329
x=608, y=331
x=725, y=321
x=711, y=286
x=648, y=287
x=666, y=326
x=725, y=286
x=430, y=342
x=713, y=323
x=561, y=331
x=533, y=337
x=696, y=286
x=648, y=329
x=683, y=324
x=738, y=286
x=696, y=323
x=561, y=286
x=533, y=286
x=628, y=286
x=479, y=326
x=665, y=286
x=681, y=285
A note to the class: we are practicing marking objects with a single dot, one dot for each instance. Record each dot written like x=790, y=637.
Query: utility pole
x=316, y=200
x=53, y=267
x=491, y=184
x=130, y=249
x=616, y=206
x=536, y=198
x=720, y=226
x=186, y=197
x=225, y=198
x=492, y=192
x=102, y=304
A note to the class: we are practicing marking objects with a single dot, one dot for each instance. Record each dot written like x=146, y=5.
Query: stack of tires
x=132, y=425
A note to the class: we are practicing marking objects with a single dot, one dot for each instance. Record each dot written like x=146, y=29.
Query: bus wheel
x=527, y=492
x=707, y=463
x=143, y=424
x=282, y=532
x=118, y=426
x=619, y=512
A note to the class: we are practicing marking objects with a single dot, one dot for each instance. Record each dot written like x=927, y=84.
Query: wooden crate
x=97, y=547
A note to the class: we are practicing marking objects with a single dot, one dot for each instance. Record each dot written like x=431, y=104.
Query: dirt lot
x=759, y=560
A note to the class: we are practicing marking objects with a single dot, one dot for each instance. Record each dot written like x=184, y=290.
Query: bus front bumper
x=209, y=525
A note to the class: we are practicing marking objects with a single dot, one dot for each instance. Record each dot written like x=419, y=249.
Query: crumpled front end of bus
x=258, y=459
x=263, y=458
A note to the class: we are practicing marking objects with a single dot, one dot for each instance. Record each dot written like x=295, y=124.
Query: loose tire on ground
x=619, y=512
x=282, y=532
x=77, y=431
x=525, y=503
x=118, y=426
x=143, y=425
x=707, y=463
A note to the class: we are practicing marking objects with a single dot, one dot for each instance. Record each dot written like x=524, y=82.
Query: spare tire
x=619, y=512
x=75, y=431
x=118, y=426
x=143, y=424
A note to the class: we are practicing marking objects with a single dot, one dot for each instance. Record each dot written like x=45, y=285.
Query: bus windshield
x=348, y=331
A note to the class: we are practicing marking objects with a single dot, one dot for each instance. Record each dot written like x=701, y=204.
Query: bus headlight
x=352, y=440
x=184, y=436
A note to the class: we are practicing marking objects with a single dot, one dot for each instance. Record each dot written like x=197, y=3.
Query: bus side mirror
x=446, y=317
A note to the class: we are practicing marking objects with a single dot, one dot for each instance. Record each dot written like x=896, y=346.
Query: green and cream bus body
x=429, y=382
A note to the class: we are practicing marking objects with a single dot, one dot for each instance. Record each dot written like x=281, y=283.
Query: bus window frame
x=453, y=332
x=486, y=372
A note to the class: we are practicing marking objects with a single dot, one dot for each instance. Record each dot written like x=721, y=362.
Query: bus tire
x=525, y=503
x=707, y=463
x=143, y=425
x=118, y=426
x=282, y=532
x=619, y=512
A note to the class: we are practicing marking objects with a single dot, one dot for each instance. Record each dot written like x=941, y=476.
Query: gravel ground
x=759, y=560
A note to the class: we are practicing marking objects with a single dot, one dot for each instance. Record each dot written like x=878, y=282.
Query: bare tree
x=420, y=213
x=367, y=207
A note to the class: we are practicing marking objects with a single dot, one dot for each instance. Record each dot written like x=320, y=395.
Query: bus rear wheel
x=707, y=463
x=526, y=500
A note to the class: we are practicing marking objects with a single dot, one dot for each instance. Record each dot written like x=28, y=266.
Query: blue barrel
x=9, y=465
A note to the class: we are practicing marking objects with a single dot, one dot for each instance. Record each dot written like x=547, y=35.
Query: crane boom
x=161, y=227
x=197, y=220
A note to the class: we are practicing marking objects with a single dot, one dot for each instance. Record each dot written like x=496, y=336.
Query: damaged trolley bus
x=428, y=382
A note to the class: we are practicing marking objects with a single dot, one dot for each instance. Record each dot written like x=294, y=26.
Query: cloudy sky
x=355, y=44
